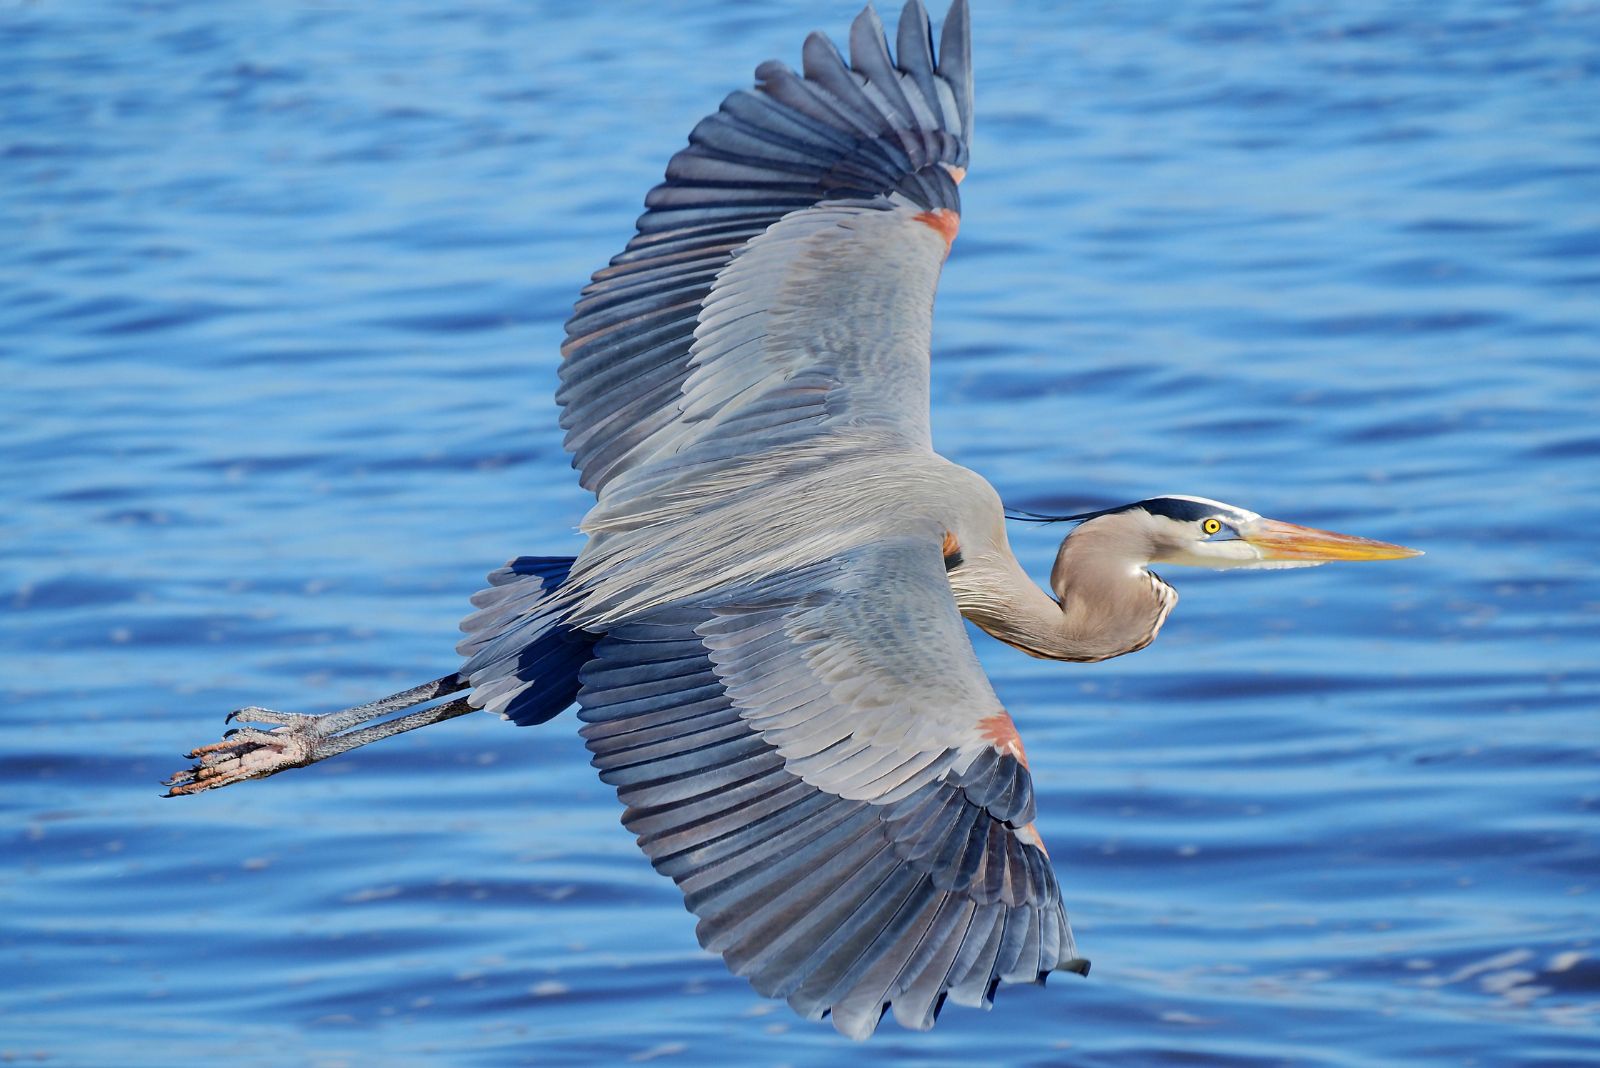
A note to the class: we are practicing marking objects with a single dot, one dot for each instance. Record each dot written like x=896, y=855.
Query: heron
x=763, y=632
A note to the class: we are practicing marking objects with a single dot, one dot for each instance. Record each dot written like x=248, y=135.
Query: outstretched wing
x=782, y=277
x=820, y=764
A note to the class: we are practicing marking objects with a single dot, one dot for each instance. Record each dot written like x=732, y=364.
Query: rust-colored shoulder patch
x=952, y=547
x=943, y=221
x=1001, y=732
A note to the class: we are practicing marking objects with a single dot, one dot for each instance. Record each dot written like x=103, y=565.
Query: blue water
x=283, y=291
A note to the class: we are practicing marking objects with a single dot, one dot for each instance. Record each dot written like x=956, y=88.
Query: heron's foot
x=252, y=753
x=296, y=739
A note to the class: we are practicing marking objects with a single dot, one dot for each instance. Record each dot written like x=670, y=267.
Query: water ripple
x=286, y=314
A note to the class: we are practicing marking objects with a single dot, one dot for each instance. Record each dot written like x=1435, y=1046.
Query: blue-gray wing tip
x=867, y=21
x=955, y=60
x=1077, y=965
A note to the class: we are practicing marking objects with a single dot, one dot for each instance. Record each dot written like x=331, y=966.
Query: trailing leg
x=523, y=663
x=299, y=739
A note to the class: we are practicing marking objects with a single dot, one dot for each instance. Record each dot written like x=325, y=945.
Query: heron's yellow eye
x=1211, y=526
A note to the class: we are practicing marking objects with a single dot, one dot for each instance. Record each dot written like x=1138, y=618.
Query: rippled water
x=284, y=289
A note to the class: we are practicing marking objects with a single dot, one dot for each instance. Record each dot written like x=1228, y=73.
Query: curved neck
x=1106, y=604
x=1106, y=615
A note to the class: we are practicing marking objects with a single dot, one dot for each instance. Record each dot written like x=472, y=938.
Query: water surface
x=284, y=291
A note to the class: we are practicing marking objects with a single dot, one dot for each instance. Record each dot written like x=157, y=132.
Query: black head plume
x=1034, y=517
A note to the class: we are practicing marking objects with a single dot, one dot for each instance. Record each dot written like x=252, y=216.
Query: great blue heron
x=763, y=631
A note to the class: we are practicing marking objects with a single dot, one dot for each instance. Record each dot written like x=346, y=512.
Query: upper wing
x=820, y=764
x=791, y=254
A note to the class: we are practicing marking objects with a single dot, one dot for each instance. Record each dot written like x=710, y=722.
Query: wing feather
x=867, y=134
x=814, y=763
x=825, y=794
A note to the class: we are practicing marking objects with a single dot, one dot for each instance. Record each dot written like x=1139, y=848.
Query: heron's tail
x=522, y=658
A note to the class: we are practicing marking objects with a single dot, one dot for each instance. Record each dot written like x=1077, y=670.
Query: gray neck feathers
x=1110, y=603
x=1107, y=602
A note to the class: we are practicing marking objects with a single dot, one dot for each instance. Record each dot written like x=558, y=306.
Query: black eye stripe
x=1174, y=508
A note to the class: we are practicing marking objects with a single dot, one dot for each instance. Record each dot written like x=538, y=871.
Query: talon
x=200, y=751
x=258, y=714
x=278, y=737
x=296, y=739
x=248, y=752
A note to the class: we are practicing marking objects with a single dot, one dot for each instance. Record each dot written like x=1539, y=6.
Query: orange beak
x=1285, y=541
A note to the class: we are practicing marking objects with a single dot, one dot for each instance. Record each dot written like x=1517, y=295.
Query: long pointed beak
x=1286, y=541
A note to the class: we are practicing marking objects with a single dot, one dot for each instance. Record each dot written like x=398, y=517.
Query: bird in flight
x=763, y=632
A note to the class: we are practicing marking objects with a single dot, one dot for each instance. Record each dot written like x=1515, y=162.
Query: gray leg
x=252, y=753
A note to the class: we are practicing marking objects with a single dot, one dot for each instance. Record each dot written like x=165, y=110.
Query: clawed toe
x=255, y=714
x=230, y=741
x=248, y=752
x=257, y=736
x=296, y=739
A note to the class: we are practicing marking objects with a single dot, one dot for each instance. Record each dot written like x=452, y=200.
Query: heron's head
x=1197, y=532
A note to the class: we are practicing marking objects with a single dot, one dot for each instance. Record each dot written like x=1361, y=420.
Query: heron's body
x=763, y=631
x=852, y=494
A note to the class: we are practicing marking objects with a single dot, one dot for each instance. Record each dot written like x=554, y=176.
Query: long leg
x=298, y=739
